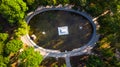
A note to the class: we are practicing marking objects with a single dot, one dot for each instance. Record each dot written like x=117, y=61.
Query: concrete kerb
x=56, y=53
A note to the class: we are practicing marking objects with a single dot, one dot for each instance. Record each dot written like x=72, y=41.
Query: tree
x=13, y=10
x=61, y=2
x=95, y=8
x=109, y=29
x=3, y=37
x=29, y=2
x=109, y=57
x=1, y=48
x=94, y=61
x=13, y=46
x=23, y=29
x=32, y=4
x=30, y=58
x=4, y=61
x=2, y=64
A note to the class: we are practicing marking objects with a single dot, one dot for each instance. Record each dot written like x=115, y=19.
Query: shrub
x=13, y=46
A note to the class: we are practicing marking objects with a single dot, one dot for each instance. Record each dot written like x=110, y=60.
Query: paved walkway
x=56, y=53
x=67, y=60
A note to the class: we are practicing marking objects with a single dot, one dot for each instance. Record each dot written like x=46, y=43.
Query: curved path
x=52, y=53
x=56, y=53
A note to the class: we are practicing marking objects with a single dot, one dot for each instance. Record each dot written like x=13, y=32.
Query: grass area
x=49, y=22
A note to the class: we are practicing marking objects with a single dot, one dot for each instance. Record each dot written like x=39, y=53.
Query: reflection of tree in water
x=49, y=22
x=53, y=62
x=78, y=61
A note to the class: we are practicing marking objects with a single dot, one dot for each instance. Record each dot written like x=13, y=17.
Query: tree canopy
x=4, y=61
x=30, y=58
x=13, y=10
x=13, y=46
x=94, y=61
x=22, y=29
x=3, y=37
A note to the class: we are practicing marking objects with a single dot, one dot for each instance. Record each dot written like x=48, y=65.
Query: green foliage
x=33, y=4
x=110, y=25
x=56, y=65
x=27, y=52
x=118, y=7
x=3, y=37
x=107, y=52
x=78, y=2
x=4, y=61
x=62, y=2
x=32, y=58
x=95, y=8
x=109, y=58
x=83, y=2
x=23, y=29
x=13, y=46
x=113, y=62
x=45, y=2
x=13, y=10
x=54, y=2
x=2, y=64
x=1, y=47
x=30, y=2
x=64, y=65
x=94, y=61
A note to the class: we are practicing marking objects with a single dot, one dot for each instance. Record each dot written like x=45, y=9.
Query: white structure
x=63, y=30
x=43, y=32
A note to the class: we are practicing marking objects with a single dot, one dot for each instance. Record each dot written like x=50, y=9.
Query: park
x=59, y=33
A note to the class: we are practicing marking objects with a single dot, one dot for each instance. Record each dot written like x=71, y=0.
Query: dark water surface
x=45, y=27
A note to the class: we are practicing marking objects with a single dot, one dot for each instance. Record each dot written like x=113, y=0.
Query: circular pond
x=60, y=29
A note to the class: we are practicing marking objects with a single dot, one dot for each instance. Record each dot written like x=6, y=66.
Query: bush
x=4, y=61
x=30, y=58
x=1, y=48
x=13, y=46
x=13, y=10
x=3, y=37
x=94, y=61
x=23, y=29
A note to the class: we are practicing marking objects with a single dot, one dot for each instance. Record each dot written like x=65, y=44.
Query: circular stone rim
x=89, y=43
